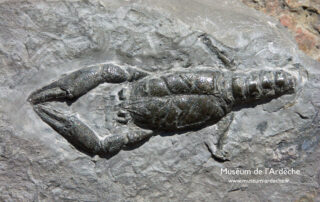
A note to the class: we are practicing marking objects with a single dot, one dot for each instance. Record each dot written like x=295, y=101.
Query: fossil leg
x=77, y=83
x=82, y=137
x=224, y=53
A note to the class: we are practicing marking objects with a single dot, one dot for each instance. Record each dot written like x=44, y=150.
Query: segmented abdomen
x=186, y=99
x=183, y=83
x=259, y=85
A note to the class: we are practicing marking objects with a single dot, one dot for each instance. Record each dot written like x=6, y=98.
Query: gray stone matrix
x=42, y=42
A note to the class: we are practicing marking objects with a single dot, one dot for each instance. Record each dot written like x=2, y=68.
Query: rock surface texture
x=301, y=17
x=42, y=40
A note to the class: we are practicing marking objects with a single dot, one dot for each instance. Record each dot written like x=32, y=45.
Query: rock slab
x=42, y=40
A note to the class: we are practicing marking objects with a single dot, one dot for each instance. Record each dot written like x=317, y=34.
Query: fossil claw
x=47, y=94
x=52, y=117
x=70, y=127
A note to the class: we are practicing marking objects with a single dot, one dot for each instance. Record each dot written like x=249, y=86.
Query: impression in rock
x=172, y=101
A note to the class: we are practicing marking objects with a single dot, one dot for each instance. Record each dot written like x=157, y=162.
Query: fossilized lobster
x=171, y=101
